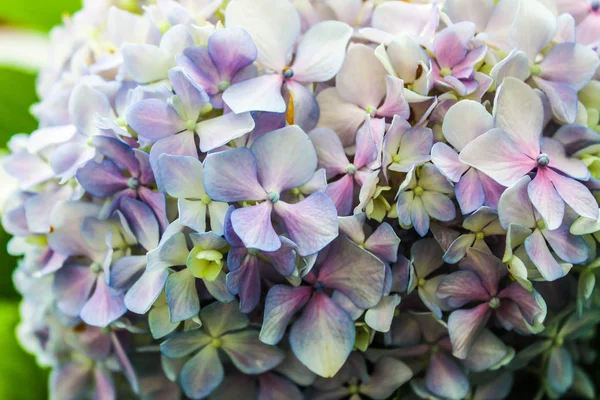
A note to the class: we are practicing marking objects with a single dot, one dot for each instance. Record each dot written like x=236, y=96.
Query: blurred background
x=24, y=27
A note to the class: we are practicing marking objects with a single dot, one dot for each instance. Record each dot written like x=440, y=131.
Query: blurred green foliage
x=36, y=14
x=16, y=96
x=20, y=377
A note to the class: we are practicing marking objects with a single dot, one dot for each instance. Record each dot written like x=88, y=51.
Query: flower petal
x=192, y=97
x=575, y=194
x=321, y=52
x=487, y=351
x=560, y=370
x=538, y=252
x=465, y=121
x=73, y=286
x=446, y=160
x=461, y=287
x=562, y=97
x=571, y=63
x=388, y=376
x=249, y=354
x=257, y=94
x=232, y=176
x=142, y=221
x=232, y=50
x=514, y=205
x=305, y=112
x=384, y=243
x=568, y=247
x=339, y=115
x=181, y=176
x=438, y=206
x=533, y=28
x=245, y=282
x=218, y=318
x=469, y=192
x=219, y=131
x=464, y=326
x=273, y=25
x=101, y=179
x=518, y=111
x=182, y=296
x=330, y=151
x=202, y=374
x=353, y=271
x=445, y=378
x=286, y=159
x=182, y=144
x=281, y=304
x=361, y=79
x=380, y=317
x=103, y=307
x=145, y=291
x=117, y=151
x=184, y=343
x=311, y=224
x=451, y=44
x=254, y=227
x=488, y=268
x=154, y=119
x=498, y=156
x=323, y=337
x=545, y=198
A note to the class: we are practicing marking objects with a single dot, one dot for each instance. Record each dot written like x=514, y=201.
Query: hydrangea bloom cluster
x=323, y=199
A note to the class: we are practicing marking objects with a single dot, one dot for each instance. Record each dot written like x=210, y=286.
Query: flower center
x=96, y=267
x=121, y=121
x=288, y=73
x=164, y=26
x=216, y=342
x=205, y=199
x=494, y=303
x=418, y=190
x=535, y=69
x=371, y=110
x=353, y=389
x=273, y=197
x=133, y=183
x=480, y=235
x=253, y=252
x=190, y=125
x=319, y=286
x=541, y=224
x=421, y=282
x=445, y=72
x=543, y=160
x=210, y=255
x=396, y=158
x=224, y=85
x=351, y=169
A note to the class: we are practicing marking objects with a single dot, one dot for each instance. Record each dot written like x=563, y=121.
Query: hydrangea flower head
x=328, y=199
